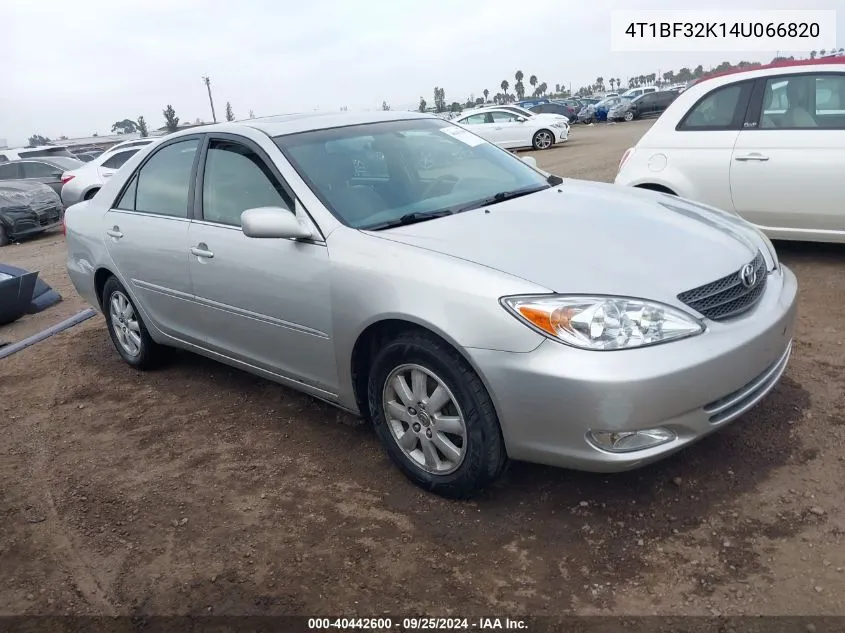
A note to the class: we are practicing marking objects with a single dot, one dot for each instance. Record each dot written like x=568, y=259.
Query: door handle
x=114, y=232
x=753, y=156
x=201, y=250
x=498, y=128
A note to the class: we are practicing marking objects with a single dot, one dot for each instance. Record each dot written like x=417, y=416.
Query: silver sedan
x=472, y=308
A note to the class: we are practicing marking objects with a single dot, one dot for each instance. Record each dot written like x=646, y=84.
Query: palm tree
x=486, y=92
x=505, y=85
x=618, y=83
x=542, y=88
x=600, y=83
x=822, y=52
x=533, y=81
x=518, y=75
x=813, y=54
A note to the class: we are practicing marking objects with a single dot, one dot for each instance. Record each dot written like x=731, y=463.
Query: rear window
x=44, y=152
x=66, y=162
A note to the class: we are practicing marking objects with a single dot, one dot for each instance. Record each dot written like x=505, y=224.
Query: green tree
x=423, y=104
x=813, y=54
x=518, y=86
x=439, y=99
x=599, y=83
x=171, y=121
x=533, y=81
x=127, y=126
x=230, y=114
x=385, y=105
x=486, y=92
x=142, y=126
x=455, y=107
x=505, y=85
x=36, y=139
x=542, y=88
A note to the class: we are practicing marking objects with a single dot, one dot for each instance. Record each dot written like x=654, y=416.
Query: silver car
x=474, y=310
x=85, y=181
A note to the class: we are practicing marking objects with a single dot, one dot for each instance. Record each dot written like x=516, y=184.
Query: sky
x=76, y=68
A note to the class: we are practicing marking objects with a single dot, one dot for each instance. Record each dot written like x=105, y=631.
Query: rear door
x=146, y=233
x=44, y=173
x=787, y=168
x=114, y=162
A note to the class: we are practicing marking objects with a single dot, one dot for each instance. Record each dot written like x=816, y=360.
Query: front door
x=265, y=302
x=511, y=132
x=786, y=171
x=146, y=233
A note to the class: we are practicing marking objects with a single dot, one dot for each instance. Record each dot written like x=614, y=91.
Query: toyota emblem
x=748, y=275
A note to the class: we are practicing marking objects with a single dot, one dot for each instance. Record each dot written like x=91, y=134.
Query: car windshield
x=376, y=174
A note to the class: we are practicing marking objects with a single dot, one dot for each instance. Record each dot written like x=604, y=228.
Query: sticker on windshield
x=464, y=136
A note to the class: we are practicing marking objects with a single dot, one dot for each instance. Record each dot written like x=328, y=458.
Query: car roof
x=307, y=121
x=794, y=65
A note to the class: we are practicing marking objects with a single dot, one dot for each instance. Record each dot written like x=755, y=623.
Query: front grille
x=729, y=296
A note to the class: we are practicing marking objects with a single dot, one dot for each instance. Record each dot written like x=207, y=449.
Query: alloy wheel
x=425, y=419
x=125, y=323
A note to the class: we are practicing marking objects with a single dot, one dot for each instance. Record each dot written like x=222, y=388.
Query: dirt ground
x=199, y=489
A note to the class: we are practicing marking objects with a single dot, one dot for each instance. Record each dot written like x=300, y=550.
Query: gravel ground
x=199, y=489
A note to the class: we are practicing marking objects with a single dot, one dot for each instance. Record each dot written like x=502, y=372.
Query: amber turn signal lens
x=548, y=320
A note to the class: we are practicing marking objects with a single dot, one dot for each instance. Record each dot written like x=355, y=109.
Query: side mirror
x=273, y=222
x=520, y=119
x=530, y=161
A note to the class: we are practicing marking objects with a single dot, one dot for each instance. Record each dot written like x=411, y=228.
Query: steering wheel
x=437, y=182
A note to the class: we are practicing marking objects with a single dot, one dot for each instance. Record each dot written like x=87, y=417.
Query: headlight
x=602, y=323
x=560, y=124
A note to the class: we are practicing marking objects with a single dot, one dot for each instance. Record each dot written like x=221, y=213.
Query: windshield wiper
x=500, y=197
x=408, y=218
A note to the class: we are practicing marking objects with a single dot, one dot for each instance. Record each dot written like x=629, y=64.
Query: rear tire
x=543, y=139
x=90, y=194
x=127, y=329
x=420, y=388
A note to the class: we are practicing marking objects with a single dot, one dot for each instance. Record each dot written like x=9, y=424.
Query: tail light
x=628, y=153
x=66, y=178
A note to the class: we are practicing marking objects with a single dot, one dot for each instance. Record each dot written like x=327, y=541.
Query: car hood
x=594, y=238
x=18, y=192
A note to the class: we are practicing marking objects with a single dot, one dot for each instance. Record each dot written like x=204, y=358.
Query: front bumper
x=36, y=222
x=550, y=399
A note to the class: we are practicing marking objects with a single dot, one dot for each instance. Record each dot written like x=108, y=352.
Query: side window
x=237, y=179
x=9, y=171
x=38, y=170
x=503, y=117
x=127, y=200
x=804, y=102
x=717, y=110
x=116, y=161
x=164, y=182
x=475, y=119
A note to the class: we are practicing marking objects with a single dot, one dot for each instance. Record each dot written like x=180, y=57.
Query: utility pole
x=207, y=82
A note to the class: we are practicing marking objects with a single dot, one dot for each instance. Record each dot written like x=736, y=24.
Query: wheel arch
x=366, y=346
x=653, y=186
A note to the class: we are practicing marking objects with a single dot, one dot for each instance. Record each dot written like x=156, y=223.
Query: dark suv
x=650, y=104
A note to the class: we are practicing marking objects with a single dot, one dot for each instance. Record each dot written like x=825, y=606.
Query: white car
x=526, y=112
x=767, y=144
x=84, y=182
x=511, y=130
x=633, y=93
x=136, y=143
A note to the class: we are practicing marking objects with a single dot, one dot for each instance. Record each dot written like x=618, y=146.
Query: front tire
x=629, y=116
x=434, y=417
x=543, y=139
x=126, y=328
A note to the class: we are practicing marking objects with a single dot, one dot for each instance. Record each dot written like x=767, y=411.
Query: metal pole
x=40, y=336
x=207, y=82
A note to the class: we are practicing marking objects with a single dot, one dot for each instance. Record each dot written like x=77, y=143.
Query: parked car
x=436, y=305
x=767, y=144
x=564, y=107
x=47, y=170
x=27, y=209
x=41, y=151
x=650, y=104
x=85, y=157
x=509, y=130
x=633, y=93
x=598, y=112
x=138, y=142
x=84, y=182
x=525, y=112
